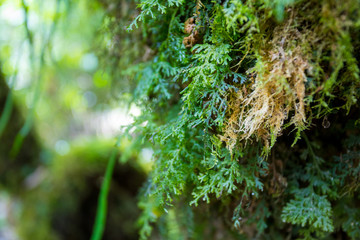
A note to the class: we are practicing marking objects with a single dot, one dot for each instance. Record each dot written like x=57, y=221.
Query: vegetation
x=250, y=108
x=68, y=191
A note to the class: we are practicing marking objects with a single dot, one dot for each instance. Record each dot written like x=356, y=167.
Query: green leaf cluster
x=239, y=118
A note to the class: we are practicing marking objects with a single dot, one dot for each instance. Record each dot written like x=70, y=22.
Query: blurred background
x=62, y=110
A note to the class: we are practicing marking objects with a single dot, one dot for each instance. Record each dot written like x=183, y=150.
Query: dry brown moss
x=277, y=89
x=315, y=42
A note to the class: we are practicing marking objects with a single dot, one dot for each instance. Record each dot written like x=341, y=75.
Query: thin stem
x=100, y=220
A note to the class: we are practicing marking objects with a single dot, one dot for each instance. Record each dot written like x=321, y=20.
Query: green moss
x=63, y=204
x=223, y=85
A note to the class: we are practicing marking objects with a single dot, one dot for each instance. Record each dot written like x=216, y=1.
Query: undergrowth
x=236, y=98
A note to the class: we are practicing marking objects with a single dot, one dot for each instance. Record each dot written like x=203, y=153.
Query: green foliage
x=100, y=221
x=309, y=208
x=352, y=222
x=220, y=85
x=224, y=88
x=152, y=8
x=68, y=189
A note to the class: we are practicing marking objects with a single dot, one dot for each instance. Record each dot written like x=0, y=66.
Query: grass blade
x=100, y=220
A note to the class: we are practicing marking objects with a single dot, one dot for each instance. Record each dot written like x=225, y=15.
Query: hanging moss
x=250, y=106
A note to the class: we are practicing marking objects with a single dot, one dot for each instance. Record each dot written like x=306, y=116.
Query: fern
x=223, y=87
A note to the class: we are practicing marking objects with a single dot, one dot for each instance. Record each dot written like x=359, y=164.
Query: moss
x=64, y=203
x=237, y=98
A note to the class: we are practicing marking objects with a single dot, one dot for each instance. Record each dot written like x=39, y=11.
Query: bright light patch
x=89, y=62
x=62, y=147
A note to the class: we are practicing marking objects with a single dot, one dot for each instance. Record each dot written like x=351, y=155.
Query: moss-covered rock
x=63, y=205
